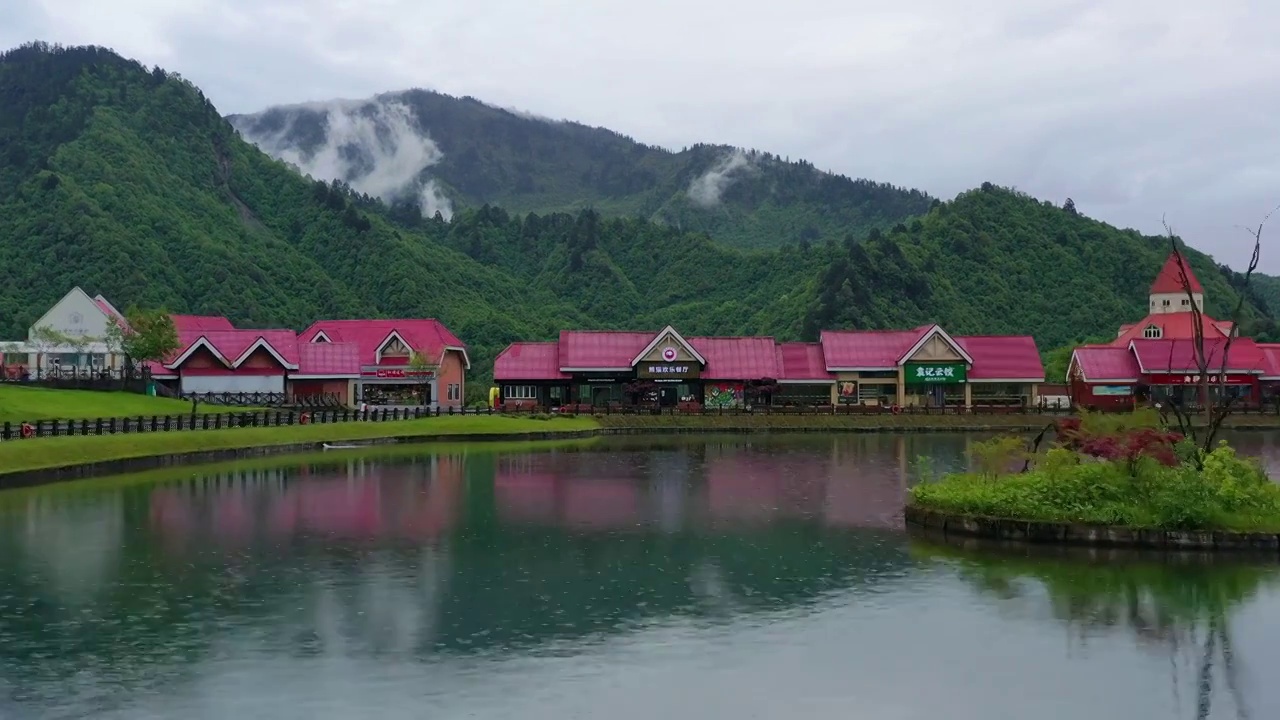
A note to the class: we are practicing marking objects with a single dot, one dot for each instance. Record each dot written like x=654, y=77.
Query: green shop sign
x=917, y=373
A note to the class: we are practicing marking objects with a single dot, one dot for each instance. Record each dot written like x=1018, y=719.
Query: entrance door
x=939, y=394
x=667, y=395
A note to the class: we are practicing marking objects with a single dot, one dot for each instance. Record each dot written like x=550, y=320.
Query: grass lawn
x=22, y=404
x=37, y=454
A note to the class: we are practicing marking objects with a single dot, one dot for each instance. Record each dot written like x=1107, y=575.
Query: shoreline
x=1065, y=534
x=136, y=452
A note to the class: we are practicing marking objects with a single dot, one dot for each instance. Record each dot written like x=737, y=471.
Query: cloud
x=375, y=146
x=706, y=189
x=1134, y=109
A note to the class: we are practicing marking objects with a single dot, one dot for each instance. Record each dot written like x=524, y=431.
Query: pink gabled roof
x=875, y=349
x=1173, y=326
x=738, y=358
x=427, y=336
x=583, y=349
x=332, y=358
x=1106, y=362
x=529, y=361
x=1178, y=356
x=1170, y=278
x=802, y=361
x=201, y=323
x=1003, y=357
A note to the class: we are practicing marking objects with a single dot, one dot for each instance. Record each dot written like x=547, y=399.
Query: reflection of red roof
x=738, y=358
x=802, y=361
x=601, y=349
x=1106, y=362
x=1003, y=357
x=529, y=361
x=1170, y=279
x=1173, y=326
x=427, y=336
x=870, y=349
x=1178, y=356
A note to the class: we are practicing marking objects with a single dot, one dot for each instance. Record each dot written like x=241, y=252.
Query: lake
x=660, y=577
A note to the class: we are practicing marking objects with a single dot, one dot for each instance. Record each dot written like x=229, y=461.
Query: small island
x=1118, y=480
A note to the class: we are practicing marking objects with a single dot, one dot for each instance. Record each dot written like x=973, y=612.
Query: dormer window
x=1152, y=332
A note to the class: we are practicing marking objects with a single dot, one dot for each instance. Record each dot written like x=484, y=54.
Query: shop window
x=520, y=392
x=875, y=393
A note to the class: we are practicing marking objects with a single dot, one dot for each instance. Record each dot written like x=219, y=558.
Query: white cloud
x=706, y=189
x=1134, y=109
x=374, y=146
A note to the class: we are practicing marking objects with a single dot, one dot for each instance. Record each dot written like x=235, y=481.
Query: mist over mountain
x=441, y=153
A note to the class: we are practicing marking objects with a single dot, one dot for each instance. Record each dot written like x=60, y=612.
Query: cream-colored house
x=71, y=334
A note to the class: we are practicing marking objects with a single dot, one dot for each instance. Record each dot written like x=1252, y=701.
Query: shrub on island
x=1124, y=470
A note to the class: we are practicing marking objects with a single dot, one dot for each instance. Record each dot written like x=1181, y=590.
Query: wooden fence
x=265, y=400
x=280, y=418
x=78, y=378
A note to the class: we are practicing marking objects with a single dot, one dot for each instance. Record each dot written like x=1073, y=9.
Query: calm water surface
x=656, y=578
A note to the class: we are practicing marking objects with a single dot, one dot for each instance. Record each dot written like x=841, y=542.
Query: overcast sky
x=1133, y=108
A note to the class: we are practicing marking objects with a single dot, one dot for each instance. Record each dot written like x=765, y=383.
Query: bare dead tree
x=1216, y=410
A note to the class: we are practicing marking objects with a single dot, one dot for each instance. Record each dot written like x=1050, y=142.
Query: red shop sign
x=397, y=373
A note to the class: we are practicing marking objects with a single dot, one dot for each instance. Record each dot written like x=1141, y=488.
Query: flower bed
x=1112, y=471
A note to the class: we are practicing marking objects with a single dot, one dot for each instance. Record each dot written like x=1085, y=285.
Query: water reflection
x=490, y=584
x=1178, y=606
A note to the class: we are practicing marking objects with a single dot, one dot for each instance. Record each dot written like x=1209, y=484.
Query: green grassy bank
x=45, y=453
x=20, y=403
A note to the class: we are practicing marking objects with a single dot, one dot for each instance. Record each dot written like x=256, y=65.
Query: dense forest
x=126, y=181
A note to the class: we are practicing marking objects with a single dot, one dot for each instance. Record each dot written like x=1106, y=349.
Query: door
x=668, y=395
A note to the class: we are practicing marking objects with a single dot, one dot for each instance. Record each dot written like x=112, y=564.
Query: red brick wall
x=452, y=370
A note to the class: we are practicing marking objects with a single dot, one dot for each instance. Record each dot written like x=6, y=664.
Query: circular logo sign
x=669, y=354
x=76, y=318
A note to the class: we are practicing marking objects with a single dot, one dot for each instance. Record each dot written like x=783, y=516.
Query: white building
x=79, y=319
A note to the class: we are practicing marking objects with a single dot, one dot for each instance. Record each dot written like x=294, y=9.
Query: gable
x=75, y=315
x=668, y=346
x=935, y=346
x=393, y=347
x=935, y=349
x=261, y=357
x=201, y=356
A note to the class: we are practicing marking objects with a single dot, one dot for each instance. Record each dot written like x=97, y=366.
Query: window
x=1152, y=332
x=98, y=359
x=1186, y=301
x=455, y=391
x=1164, y=303
x=519, y=392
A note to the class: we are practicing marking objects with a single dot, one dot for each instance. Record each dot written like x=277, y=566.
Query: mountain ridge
x=464, y=152
x=128, y=181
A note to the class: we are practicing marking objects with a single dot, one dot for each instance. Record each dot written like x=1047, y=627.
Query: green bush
x=1230, y=493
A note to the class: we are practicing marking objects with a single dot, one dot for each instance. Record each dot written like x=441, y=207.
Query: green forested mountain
x=997, y=261
x=126, y=181
x=476, y=154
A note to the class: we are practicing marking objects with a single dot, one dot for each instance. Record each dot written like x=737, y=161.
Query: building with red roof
x=1156, y=356
x=922, y=366
x=356, y=361
x=400, y=362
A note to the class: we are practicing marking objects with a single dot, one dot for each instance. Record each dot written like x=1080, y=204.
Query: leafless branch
x=1202, y=352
